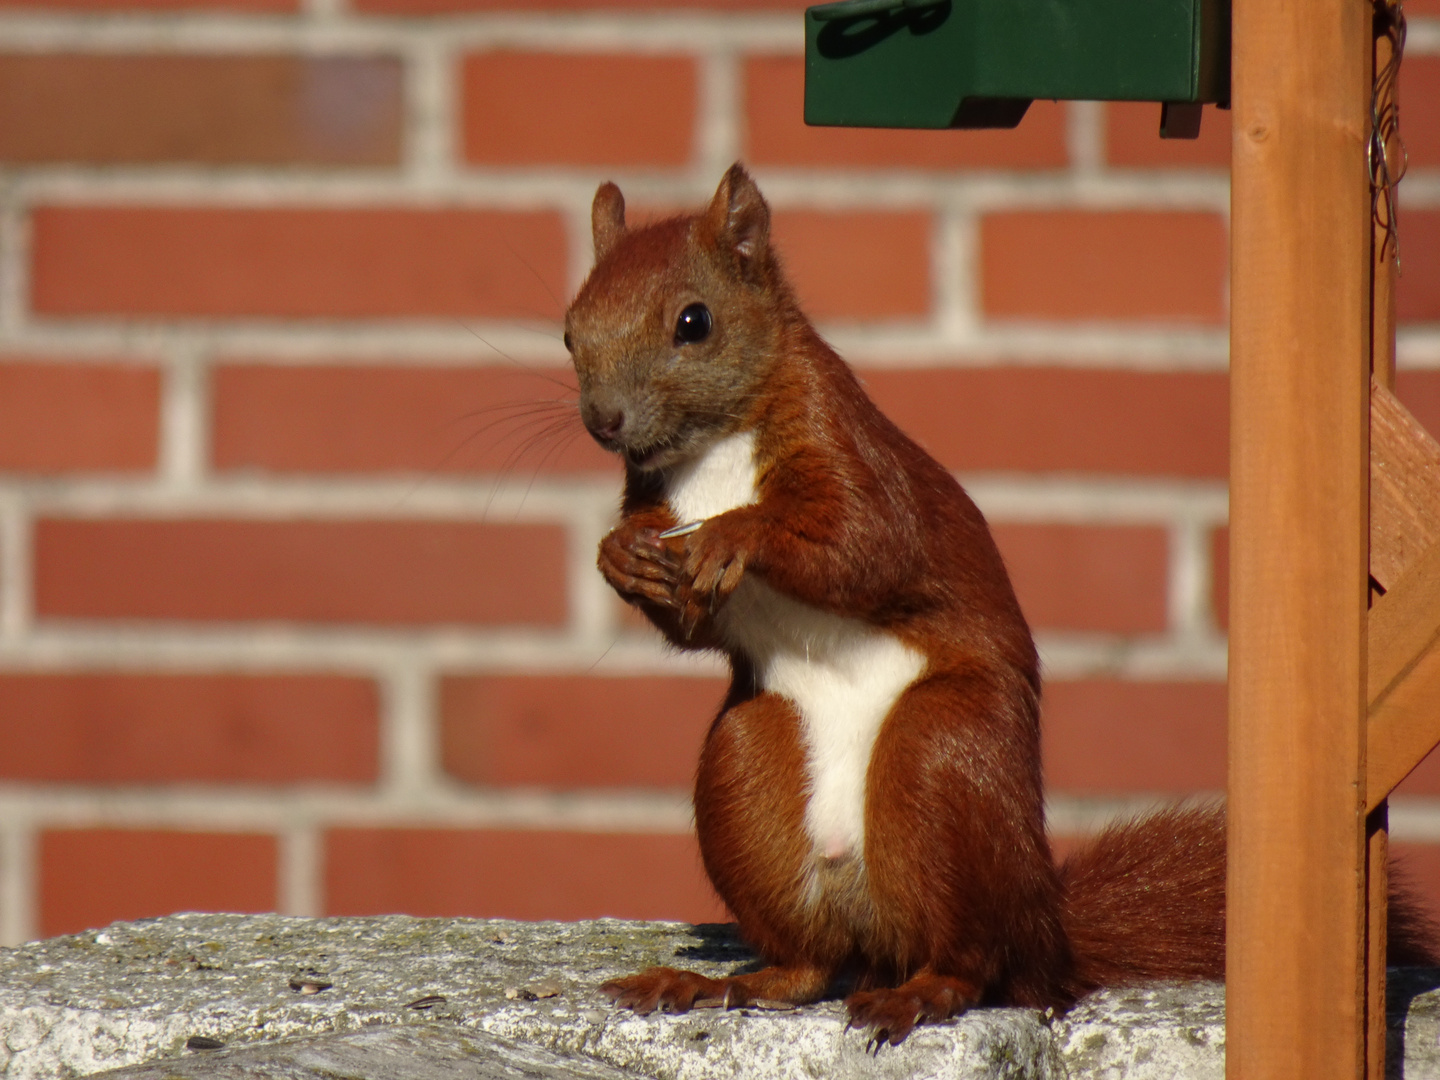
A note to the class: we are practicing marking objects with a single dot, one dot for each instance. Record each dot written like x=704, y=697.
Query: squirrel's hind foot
x=667, y=989
x=891, y=1014
x=678, y=991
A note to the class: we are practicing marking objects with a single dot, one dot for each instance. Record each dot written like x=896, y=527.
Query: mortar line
x=592, y=606
x=719, y=114
x=517, y=499
x=1151, y=659
x=14, y=261
x=1010, y=497
x=953, y=256
x=481, y=344
x=16, y=598
x=639, y=33
x=1085, y=137
x=1414, y=819
x=580, y=242
x=431, y=152
x=299, y=889
x=542, y=186
x=322, y=11
x=184, y=448
x=409, y=731
x=18, y=882
x=267, y=649
x=261, y=810
x=1189, y=576
x=473, y=342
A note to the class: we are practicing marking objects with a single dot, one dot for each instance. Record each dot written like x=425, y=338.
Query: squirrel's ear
x=607, y=218
x=739, y=219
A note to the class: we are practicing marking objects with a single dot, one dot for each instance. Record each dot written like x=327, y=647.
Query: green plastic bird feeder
x=979, y=63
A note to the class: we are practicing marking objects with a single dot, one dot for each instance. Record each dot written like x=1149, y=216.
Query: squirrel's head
x=674, y=330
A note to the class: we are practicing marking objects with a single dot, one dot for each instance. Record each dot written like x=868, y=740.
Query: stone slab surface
x=1146, y=1033
x=311, y=998
x=412, y=1052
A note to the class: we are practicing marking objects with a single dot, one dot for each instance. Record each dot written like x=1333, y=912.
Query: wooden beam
x=1377, y=882
x=1404, y=623
x=1300, y=380
x=1403, y=681
x=1404, y=488
x=1385, y=57
x=1403, y=678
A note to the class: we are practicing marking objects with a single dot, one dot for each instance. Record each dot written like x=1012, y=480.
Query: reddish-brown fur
x=957, y=900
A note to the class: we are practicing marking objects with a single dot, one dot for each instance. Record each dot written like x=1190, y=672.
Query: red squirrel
x=868, y=801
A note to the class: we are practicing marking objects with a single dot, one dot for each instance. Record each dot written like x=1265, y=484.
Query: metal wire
x=1386, y=145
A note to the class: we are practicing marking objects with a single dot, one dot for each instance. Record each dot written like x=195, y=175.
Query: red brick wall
x=297, y=599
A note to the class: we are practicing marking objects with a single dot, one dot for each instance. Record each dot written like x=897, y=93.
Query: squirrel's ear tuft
x=739, y=219
x=607, y=218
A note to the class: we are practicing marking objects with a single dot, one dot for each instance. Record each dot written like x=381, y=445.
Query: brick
x=92, y=877
x=1418, y=866
x=516, y=875
x=1132, y=139
x=372, y=572
x=776, y=133
x=857, y=265
x=297, y=263
x=575, y=731
x=89, y=728
x=1106, y=578
x=1104, y=265
x=1062, y=420
x=588, y=110
x=1420, y=108
x=279, y=7
x=451, y=7
x=1424, y=779
x=1220, y=576
x=1417, y=292
x=213, y=110
x=1419, y=391
x=62, y=416
x=1107, y=737
x=344, y=419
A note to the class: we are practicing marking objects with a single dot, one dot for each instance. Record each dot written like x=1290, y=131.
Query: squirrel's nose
x=605, y=424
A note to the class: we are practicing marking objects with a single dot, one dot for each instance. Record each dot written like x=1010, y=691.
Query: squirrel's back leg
x=955, y=849
x=750, y=818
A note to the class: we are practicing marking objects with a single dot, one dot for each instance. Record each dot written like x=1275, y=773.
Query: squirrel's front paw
x=638, y=564
x=715, y=561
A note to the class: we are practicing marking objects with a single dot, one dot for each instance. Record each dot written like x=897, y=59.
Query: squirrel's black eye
x=569, y=345
x=693, y=325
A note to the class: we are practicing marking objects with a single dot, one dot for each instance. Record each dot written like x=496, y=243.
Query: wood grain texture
x=1404, y=487
x=1377, y=886
x=1300, y=354
x=1404, y=677
x=1382, y=383
x=1404, y=624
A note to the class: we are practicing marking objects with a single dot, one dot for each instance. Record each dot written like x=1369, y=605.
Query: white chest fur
x=720, y=479
x=842, y=674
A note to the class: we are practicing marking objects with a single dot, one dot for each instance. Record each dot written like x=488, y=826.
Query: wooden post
x=1382, y=369
x=1300, y=372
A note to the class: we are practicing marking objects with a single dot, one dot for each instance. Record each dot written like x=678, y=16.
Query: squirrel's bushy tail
x=1145, y=900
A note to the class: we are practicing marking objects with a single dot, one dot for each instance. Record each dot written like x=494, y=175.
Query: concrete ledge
x=461, y=998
